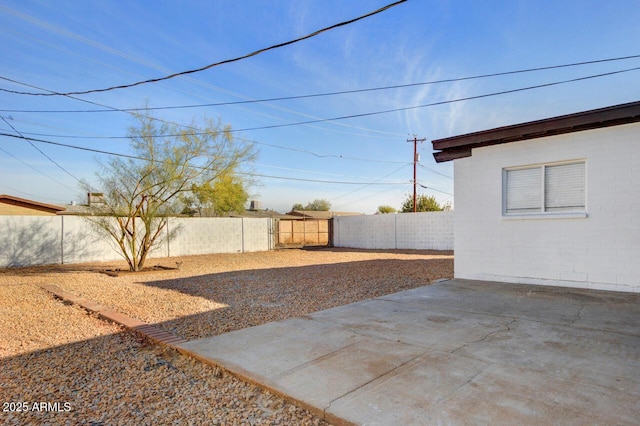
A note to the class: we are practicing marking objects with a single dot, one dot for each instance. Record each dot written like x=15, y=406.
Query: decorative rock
x=56, y=353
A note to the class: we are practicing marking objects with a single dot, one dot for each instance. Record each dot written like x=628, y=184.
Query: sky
x=356, y=163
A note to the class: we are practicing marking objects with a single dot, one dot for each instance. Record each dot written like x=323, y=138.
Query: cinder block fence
x=39, y=240
x=423, y=231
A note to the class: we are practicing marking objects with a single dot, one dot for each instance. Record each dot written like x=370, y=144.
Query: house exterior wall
x=420, y=231
x=11, y=209
x=599, y=251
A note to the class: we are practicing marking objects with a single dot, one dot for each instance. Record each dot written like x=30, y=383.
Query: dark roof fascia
x=460, y=146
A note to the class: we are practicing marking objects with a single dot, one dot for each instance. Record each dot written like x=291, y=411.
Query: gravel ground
x=61, y=365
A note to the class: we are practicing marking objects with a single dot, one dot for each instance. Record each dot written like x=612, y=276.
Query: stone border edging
x=148, y=330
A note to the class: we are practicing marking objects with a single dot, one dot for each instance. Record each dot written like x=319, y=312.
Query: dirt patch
x=117, y=272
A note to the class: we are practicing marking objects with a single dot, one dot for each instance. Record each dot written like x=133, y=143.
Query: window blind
x=564, y=187
x=524, y=190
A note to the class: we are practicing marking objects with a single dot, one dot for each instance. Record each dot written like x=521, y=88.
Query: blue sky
x=79, y=45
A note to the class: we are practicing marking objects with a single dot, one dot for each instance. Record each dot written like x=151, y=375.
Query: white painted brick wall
x=601, y=251
x=431, y=230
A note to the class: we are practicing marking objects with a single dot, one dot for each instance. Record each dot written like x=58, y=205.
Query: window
x=548, y=188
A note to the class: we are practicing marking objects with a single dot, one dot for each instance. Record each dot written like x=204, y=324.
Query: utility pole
x=416, y=158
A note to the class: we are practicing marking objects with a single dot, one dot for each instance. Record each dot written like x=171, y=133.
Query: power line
x=133, y=157
x=161, y=69
x=40, y=151
x=130, y=112
x=364, y=186
x=380, y=112
x=97, y=151
x=227, y=61
x=352, y=116
x=304, y=151
x=434, y=171
x=346, y=203
x=342, y=157
x=348, y=116
x=504, y=92
x=323, y=181
x=306, y=171
x=36, y=170
x=28, y=193
x=434, y=189
x=315, y=95
x=367, y=114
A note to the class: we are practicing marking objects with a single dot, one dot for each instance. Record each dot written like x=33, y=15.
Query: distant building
x=262, y=213
x=314, y=214
x=15, y=206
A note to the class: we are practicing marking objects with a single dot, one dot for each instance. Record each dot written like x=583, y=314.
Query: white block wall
x=369, y=232
x=30, y=240
x=601, y=251
x=257, y=234
x=425, y=231
x=220, y=235
x=82, y=243
x=38, y=240
x=206, y=235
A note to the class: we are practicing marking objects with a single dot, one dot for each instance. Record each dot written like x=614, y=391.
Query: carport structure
x=454, y=352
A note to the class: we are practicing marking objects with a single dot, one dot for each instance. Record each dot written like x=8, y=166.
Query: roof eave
x=587, y=120
x=35, y=205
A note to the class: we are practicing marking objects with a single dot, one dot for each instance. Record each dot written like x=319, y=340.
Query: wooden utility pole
x=416, y=158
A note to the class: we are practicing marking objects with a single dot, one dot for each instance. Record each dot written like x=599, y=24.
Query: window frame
x=543, y=213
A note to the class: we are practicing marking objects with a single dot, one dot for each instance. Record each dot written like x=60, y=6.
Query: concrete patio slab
x=455, y=352
x=448, y=329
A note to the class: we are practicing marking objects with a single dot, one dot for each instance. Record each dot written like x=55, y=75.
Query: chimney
x=94, y=198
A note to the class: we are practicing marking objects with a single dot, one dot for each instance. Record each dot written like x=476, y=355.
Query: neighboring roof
x=314, y=214
x=261, y=214
x=460, y=146
x=30, y=204
x=77, y=210
x=334, y=214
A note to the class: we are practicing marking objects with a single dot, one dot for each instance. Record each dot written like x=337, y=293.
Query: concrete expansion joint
x=315, y=360
x=465, y=383
x=380, y=378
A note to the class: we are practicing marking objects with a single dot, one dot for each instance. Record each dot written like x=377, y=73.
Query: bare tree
x=140, y=191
